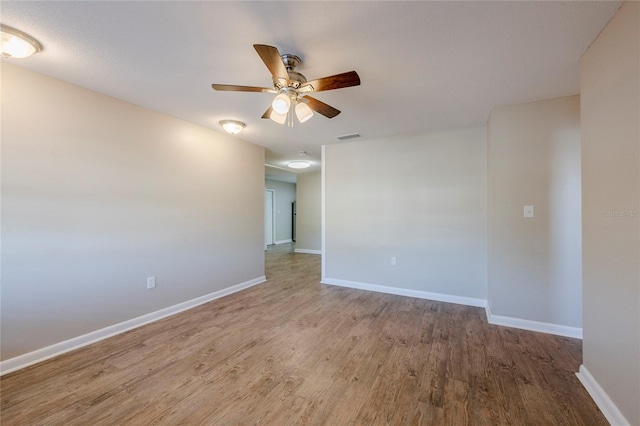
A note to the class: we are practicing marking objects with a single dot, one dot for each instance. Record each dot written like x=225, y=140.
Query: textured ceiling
x=424, y=65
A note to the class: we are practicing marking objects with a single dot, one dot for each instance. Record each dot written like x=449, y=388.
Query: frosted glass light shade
x=281, y=104
x=232, y=126
x=303, y=112
x=298, y=164
x=16, y=44
x=278, y=118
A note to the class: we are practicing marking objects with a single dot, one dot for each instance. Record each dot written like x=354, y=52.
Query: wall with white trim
x=610, y=92
x=534, y=264
x=309, y=217
x=98, y=195
x=418, y=198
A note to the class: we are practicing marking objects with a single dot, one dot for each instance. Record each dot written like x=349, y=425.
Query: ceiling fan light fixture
x=278, y=118
x=290, y=86
x=232, y=126
x=298, y=164
x=16, y=44
x=281, y=103
x=303, y=112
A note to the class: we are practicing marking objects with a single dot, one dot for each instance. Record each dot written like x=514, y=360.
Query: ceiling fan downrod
x=290, y=63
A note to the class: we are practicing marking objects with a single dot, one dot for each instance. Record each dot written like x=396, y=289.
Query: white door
x=268, y=217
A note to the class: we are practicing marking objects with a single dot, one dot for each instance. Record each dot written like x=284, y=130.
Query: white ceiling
x=424, y=66
x=280, y=174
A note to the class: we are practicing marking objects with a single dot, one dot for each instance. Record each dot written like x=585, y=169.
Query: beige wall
x=420, y=198
x=309, y=212
x=534, y=264
x=285, y=195
x=610, y=89
x=98, y=195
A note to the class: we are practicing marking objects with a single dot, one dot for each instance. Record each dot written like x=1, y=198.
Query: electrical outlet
x=393, y=261
x=151, y=283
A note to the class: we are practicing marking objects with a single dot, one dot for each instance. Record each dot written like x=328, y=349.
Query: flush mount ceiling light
x=298, y=164
x=231, y=126
x=16, y=44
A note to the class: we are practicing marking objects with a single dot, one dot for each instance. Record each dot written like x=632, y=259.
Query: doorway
x=269, y=217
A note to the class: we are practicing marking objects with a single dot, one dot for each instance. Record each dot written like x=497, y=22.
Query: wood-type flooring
x=292, y=351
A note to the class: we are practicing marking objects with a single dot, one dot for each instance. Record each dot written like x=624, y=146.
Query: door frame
x=273, y=215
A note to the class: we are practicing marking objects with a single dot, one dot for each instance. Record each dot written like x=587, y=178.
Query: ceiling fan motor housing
x=290, y=63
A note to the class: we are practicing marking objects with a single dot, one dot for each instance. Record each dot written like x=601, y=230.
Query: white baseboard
x=600, y=397
x=43, y=354
x=541, y=327
x=308, y=251
x=460, y=300
x=284, y=241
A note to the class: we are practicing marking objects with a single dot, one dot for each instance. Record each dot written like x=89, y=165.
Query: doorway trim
x=273, y=215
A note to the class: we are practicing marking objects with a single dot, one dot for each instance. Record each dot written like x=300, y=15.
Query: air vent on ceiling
x=347, y=137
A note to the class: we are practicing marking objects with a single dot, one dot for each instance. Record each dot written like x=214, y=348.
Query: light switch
x=528, y=211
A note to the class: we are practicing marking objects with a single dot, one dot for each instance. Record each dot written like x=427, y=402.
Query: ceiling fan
x=292, y=88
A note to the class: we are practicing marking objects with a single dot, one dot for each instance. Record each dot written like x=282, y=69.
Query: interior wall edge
x=323, y=209
x=601, y=398
x=39, y=355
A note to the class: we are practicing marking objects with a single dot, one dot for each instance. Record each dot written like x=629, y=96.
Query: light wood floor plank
x=292, y=351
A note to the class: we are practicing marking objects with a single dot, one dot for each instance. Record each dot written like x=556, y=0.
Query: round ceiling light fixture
x=298, y=164
x=232, y=126
x=16, y=44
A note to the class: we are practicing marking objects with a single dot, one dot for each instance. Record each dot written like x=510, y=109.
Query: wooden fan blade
x=338, y=81
x=234, y=88
x=271, y=58
x=322, y=108
x=267, y=113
